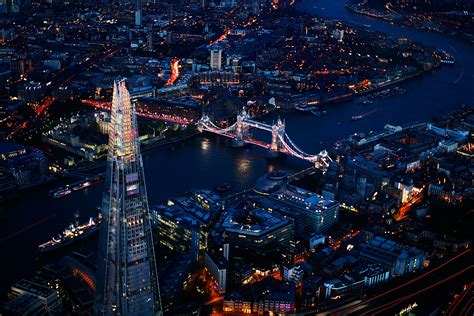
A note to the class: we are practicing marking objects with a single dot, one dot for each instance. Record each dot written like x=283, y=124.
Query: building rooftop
x=305, y=199
x=7, y=147
x=387, y=251
x=262, y=222
x=29, y=287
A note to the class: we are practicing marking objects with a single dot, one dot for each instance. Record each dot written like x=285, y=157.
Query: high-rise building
x=13, y=6
x=311, y=213
x=216, y=265
x=269, y=233
x=149, y=38
x=127, y=280
x=216, y=59
x=228, y=3
x=255, y=6
x=138, y=13
x=3, y=6
x=28, y=166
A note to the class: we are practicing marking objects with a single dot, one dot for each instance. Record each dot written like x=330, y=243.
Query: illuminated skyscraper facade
x=138, y=13
x=216, y=59
x=127, y=281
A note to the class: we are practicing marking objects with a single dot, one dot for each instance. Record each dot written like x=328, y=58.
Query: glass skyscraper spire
x=127, y=281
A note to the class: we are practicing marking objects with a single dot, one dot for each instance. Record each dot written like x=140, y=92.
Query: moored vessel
x=75, y=231
x=61, y=192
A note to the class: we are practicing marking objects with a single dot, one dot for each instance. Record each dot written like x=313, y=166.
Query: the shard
x=127, y=281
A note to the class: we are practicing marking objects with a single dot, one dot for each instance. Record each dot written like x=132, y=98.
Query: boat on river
x=362, y=116
x=72, y=233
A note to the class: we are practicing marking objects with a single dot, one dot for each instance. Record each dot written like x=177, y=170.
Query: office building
x=138, y=13
x=29, y=298
x=311, y=213
x=179, y=231
x=127, y=281
x=216, y=265
x=293, y=273
x=216, y=59
x=319, y=214
x=28, y=166
x=258, y=230
x=397, y=258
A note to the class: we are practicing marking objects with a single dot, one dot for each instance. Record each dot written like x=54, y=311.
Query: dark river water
x=206, y=161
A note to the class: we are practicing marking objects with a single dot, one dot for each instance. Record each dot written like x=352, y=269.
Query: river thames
x=206, y=160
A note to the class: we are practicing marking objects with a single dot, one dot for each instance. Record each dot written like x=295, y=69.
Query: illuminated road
x=174, y=72
x=214, y=300
x=63, y=79
x=46, y=103
x=67, y=75
x=405, y=209
x=220, y=38
x=428, y=281
x=252, y=20
x=463, y=303
x=162, y=117
x=397, y=304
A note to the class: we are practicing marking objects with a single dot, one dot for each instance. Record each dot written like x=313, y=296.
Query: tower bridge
x=280, y=142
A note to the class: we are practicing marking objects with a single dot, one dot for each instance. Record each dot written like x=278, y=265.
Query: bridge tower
x=278, y=133
x=323, y=160
x=241, y=129
x=202, y=123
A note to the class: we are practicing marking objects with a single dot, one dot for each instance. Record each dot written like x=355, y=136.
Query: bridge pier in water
x=241, y=130
x=276, y=146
